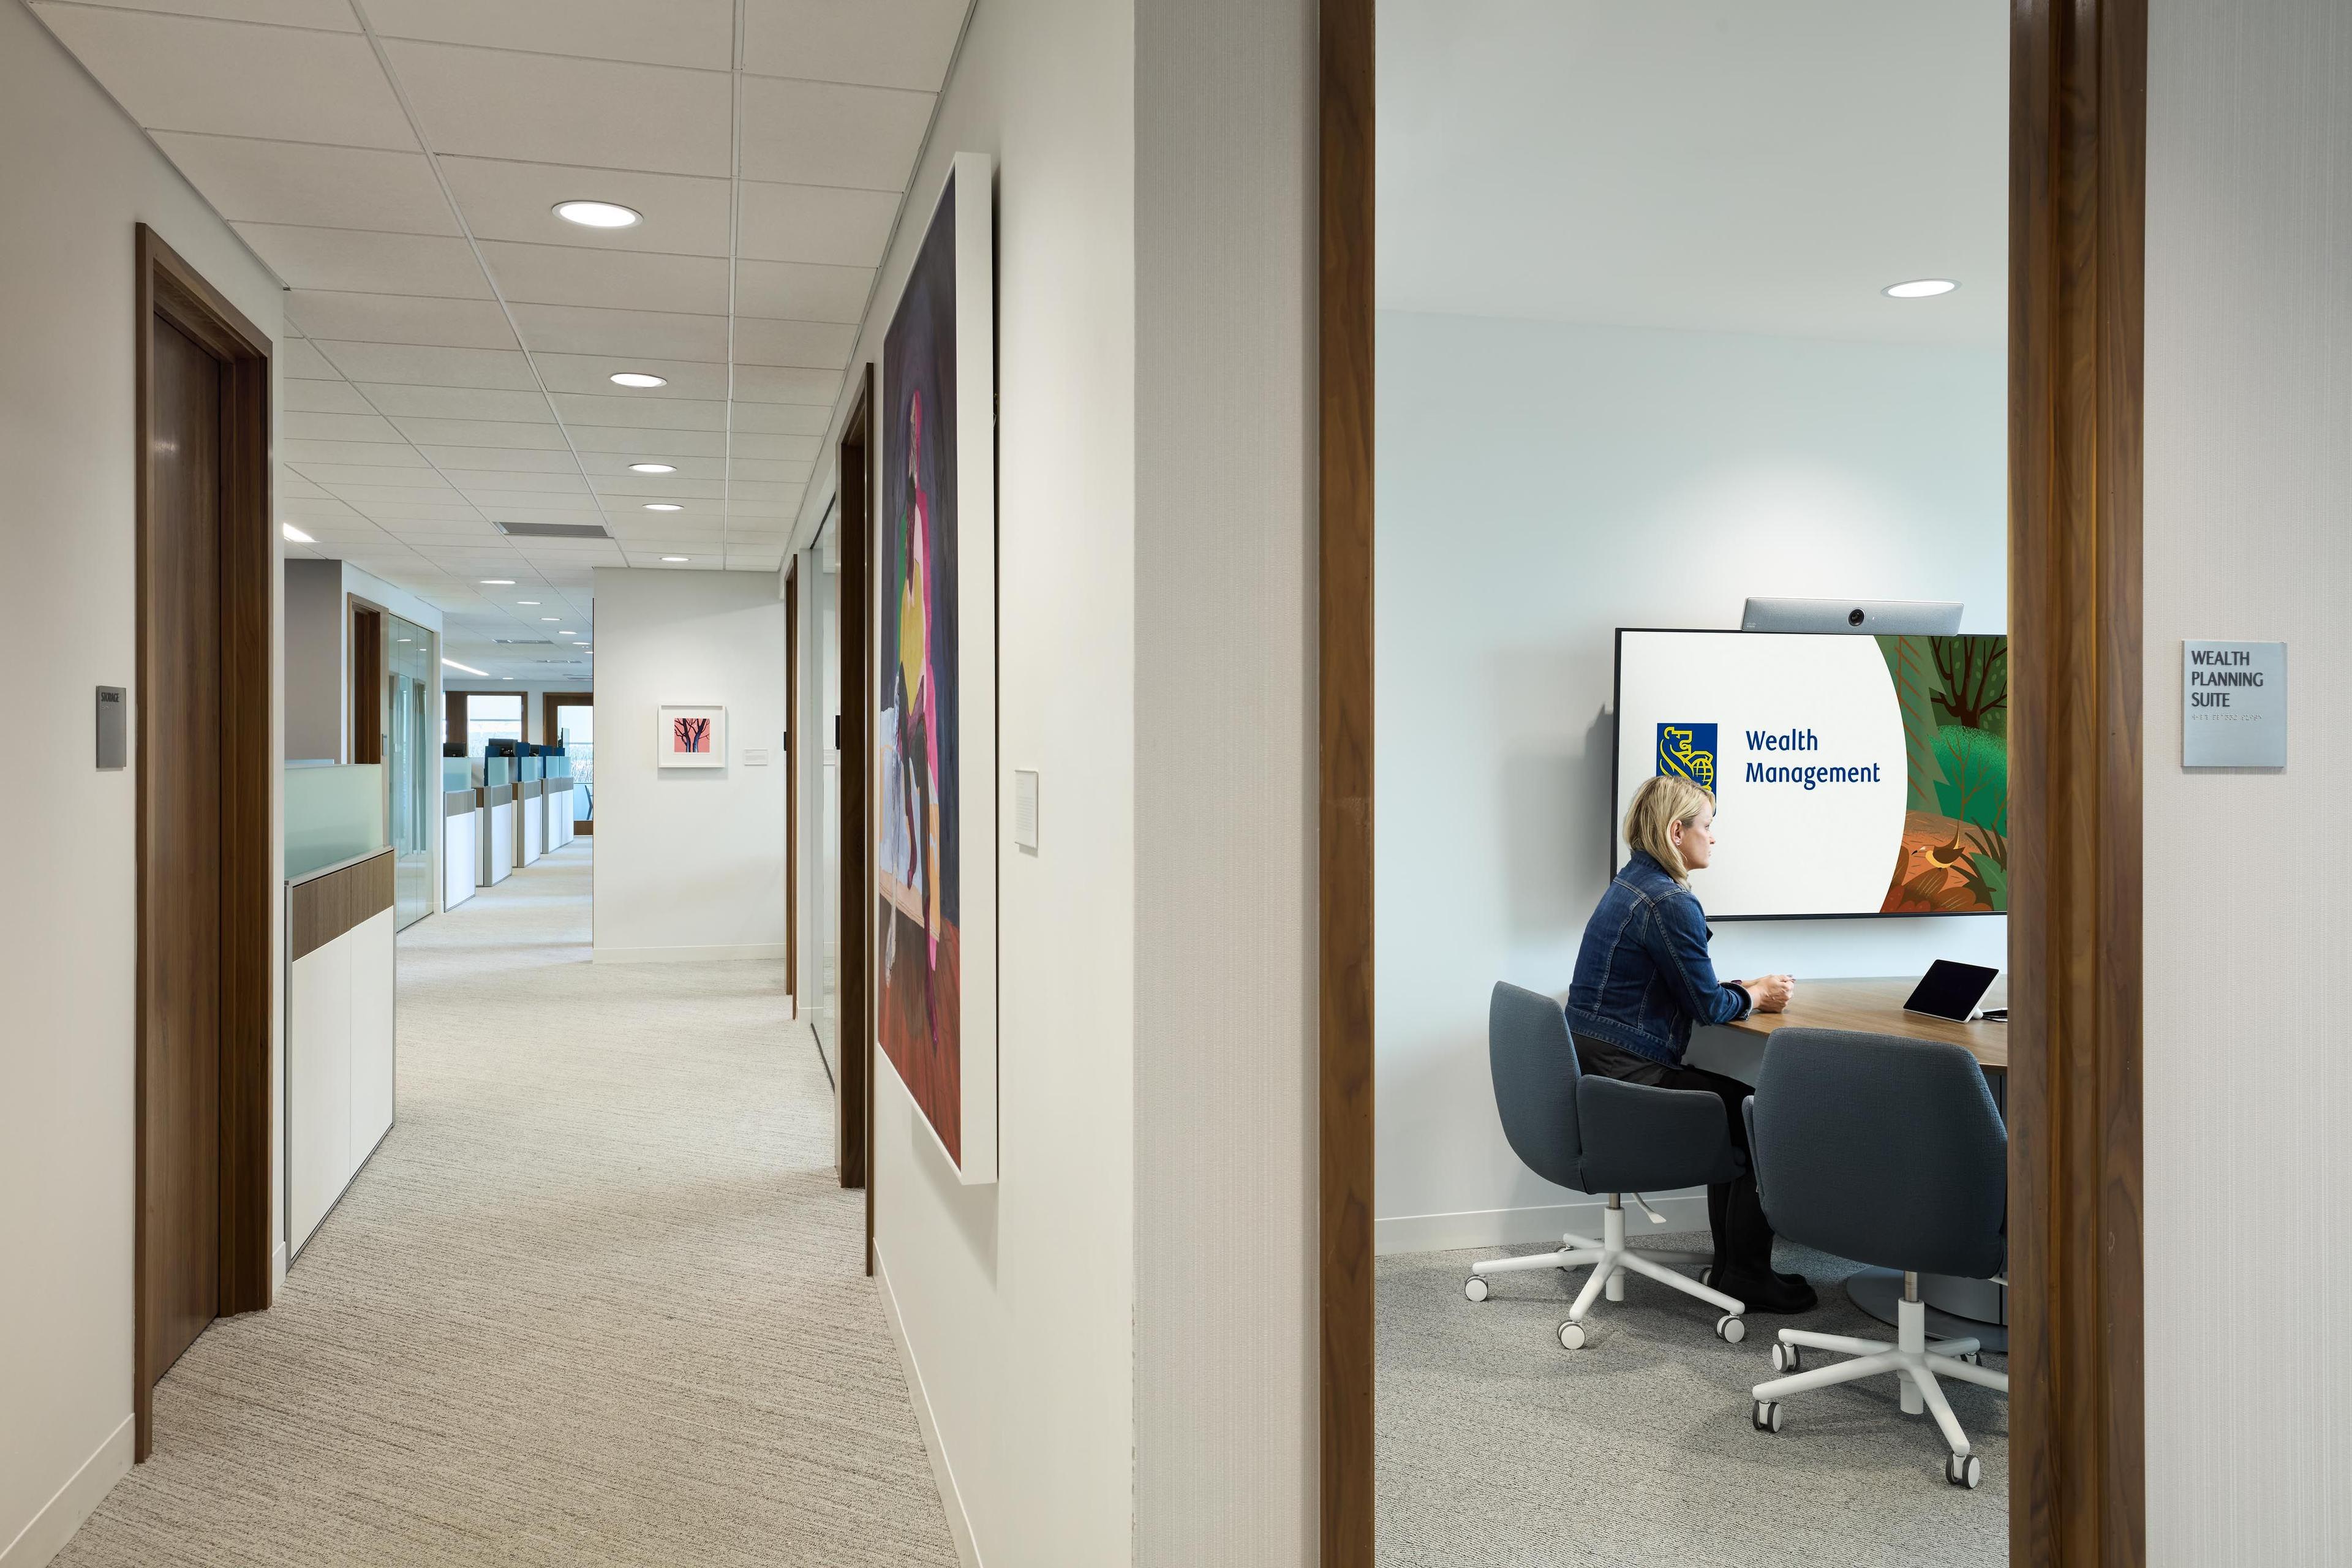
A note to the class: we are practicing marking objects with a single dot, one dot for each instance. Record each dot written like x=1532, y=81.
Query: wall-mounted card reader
x=112, y=728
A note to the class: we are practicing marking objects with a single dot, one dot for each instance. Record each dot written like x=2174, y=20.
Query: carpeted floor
x=1497, y=1446
x=597, y=1301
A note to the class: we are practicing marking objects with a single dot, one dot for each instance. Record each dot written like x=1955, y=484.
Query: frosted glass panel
x=333, y=815
x=456, y=773
x=496, y=771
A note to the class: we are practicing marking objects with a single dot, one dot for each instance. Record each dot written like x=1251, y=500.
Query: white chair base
x=1912, y=1360
x=1609, y=1259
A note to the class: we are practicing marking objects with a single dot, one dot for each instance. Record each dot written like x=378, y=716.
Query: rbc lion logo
x=1688, y=750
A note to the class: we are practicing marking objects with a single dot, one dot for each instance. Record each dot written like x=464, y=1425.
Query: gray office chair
x=1889, y=1152
x=1602, y=1136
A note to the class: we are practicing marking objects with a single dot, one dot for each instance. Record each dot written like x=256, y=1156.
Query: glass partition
x=534, y=766
x=496, y=771
x=575, y=727
x=333, y=813
x=456, y=773
x=415, y=804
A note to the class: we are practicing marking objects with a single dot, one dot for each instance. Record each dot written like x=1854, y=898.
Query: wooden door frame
x=855, y=997
x=2078, y=228
x=168, y=286
x=548, y=703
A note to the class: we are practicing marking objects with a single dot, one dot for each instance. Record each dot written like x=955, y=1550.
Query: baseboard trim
x=50, y=1529
x=942, y=1472
x=1521, y=1227
x=763, y=950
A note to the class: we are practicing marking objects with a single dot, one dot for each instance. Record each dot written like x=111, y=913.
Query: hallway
x=596, y=1301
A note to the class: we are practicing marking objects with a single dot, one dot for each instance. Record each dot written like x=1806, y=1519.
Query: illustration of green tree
x=1974, y=674
x=1918, y=684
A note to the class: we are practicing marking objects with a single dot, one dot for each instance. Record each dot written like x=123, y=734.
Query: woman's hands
x=1770, y=993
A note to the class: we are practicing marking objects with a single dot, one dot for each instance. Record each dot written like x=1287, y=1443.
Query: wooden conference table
x=1955, y=1307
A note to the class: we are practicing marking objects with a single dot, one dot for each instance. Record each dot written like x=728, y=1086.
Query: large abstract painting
x=935, y=752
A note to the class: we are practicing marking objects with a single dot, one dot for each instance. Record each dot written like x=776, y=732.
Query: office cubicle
x=497, y=820
x=461, y=813
x=531, y=806
x=338, y=984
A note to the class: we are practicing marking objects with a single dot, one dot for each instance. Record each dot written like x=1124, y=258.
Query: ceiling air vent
x=553, y=531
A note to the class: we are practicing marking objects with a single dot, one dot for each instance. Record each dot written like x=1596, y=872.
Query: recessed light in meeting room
x=652, y=468
x=675, y=560
x=295, y=535
x=637, y=378
x=498, y=581
x=662, y=506
x=1919, y=289
x=599, y=214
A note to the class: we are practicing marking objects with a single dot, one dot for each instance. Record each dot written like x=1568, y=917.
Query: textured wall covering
x=2249, y=534
x=1224, y=1144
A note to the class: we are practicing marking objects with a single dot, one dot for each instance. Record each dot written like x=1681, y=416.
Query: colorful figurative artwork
x=1954, y=694
x=935, y=681
x=690, y=736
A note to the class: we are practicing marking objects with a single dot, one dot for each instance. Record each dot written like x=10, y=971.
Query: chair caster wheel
x=1964, y=1471
x=1788, y=1358
x=1974, y=1358
x=1475, y=1289
x=1707, y=1274
x=1571, y=1336
x=1730, y=1330
x=1764, y=1415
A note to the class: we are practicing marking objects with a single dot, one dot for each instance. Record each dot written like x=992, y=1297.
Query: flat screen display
x=1853, y=775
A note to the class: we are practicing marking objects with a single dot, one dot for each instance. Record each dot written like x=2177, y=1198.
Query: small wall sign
x=2234, y=704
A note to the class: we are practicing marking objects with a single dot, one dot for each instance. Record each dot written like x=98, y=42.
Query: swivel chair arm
x=1641, y=1139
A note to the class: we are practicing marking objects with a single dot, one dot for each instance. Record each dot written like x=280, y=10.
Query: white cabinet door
x=318, y=1095
x=371, y=1031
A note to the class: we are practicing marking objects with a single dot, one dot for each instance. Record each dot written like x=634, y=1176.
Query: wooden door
x=184, y=817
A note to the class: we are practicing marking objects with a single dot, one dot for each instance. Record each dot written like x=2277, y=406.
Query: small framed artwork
x=691, y=735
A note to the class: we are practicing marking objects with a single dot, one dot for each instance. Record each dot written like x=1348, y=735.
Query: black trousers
x=1743, y=1237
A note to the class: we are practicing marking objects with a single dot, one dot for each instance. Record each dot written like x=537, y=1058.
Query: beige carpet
x=598, y=1299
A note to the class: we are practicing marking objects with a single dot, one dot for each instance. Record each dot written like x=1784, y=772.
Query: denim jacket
x=1643, y=977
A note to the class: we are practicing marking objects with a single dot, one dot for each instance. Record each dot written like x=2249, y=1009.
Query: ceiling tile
x=409, y=364
x=299, y=509
x=288, y=485
x=300, y=426
x=578, y=330
x=642, y=487
x=798, y=291
x=825, y=134
x=593, y=373
x=355, y=260
x=774, y=384
x=747, y=494
x=455, y=460
x=490, y=103
x=298, y=361
x=771, y=472
x=454, y=434
x=599, y=464
x=403, y=517
x=379, y=454
x=402, y=318
x=756, y=444
x=782, y=419
x=372, y=497
x=817, y=345
x=331, y=16
x=638, y=412
x=339, y=477
x=405, y=402
x=185, y=73
x=474, y=481
x=697, y=33
x=815, y=222
x=684, y=214
x=250, y=180
x=615, y=280
x=664, y=446
x=886, y=42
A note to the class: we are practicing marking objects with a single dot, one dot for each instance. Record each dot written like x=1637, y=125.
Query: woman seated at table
x=1644, y=979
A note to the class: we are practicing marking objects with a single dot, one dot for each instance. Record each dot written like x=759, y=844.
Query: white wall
x=1538, y=486
x=690, y=861
x=75, y=175
x=1225, y=1185
x=1016, y=1301
x=2247, y=903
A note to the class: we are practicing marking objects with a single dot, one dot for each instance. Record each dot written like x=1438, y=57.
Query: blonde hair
x=1658, y=805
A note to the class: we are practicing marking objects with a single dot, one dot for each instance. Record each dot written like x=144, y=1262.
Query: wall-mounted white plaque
x=1024, y=808
x=2234, y=704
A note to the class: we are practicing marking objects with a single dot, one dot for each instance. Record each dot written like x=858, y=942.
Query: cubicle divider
x=461, y=857
x=498, y=832
x=558, y=801
x=531, y=837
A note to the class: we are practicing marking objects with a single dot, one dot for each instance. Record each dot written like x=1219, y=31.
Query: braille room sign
x=2234, y=704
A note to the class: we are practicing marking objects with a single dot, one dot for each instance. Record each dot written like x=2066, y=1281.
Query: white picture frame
x=699, y=725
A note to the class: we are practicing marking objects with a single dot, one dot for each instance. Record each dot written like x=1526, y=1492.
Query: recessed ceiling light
x=551, y=617
x=1919, y=289
x=663, y=506
x=408, y=639
x=674, y=560
x=638, y=378
x=498, y=581
x=506, y=677
x=295, y=535
x=599, y=214
x=532, y=603
x=651, y=469
x=468, y=669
